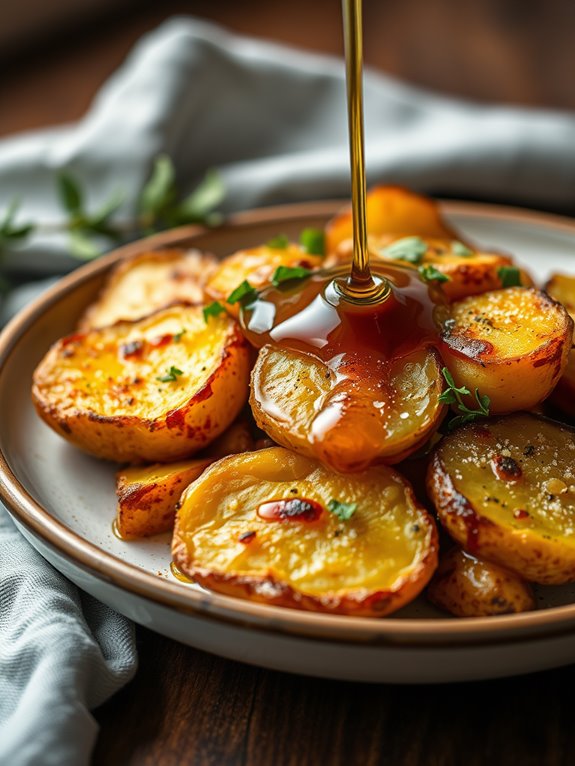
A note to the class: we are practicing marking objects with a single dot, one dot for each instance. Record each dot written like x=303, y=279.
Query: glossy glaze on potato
x=466, y=586
x=102, y=390
x=140, y=285
x=370, y=564
x=505, y=491
x=351, y=424
x=511, y=344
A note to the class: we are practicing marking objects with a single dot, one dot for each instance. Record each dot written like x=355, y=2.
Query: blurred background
x=54, y=56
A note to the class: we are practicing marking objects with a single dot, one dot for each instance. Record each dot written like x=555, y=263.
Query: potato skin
x=148, y=496
x=492, y=487
x=561, y=288
x=511, y=344
x=467, y=586
x=221, y=505
x=113, y=406
x=146, y=282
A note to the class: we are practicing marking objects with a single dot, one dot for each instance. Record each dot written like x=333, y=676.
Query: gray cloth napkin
x=272, y=120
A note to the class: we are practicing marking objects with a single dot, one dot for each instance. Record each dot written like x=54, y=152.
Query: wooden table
x=186, y=707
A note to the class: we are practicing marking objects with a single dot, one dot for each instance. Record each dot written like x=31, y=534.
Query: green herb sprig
x=343, y=511
x=279, y=242
x=288, y=274
x=509, y=276
x=410, y=249
x=213, y=310
x=244, y=293
x=429, y=273
x=453, y=394
x=313, y=241
x=171, y=375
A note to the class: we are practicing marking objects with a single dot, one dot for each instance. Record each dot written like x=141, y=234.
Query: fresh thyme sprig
x=453, y=394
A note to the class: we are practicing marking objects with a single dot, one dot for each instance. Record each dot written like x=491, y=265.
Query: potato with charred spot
x=511, y=344
x=256, y=266
x=505, y=491
x=140, y=285
x=352, y=423
x=277, y=527
x=148, y=496
x=467, y=586
x=155, y=390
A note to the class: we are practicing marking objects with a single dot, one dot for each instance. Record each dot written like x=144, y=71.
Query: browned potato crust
x=295, y=397
x=148, y=496
x=256, y=266
x=113, y=392
x=140, y=285
x=467, y=586
x=505, y=491
x=511, y=344
x=301, y=555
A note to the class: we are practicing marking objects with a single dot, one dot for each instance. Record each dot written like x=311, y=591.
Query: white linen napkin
x=272, y=121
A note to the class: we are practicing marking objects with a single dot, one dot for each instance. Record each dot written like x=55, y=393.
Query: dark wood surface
x=184, y=706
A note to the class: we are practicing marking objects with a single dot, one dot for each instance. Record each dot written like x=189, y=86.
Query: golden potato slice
x=393, y=211
x=258, y=526
x=256, y=266
x=467, y=586
x=505, y=491
x=147, y=282
x=155, y=390
x=511, y=344
x=561, y=287
x=348, y=424
x=148, y=496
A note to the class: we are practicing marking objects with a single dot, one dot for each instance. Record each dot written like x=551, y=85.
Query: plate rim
x=421, y=632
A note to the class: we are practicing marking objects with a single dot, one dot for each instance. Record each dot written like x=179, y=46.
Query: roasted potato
x=237, y=438
x=562, y=288
x=256, y=266
x=511, y=344
x=155, y=390
x=140, y=285
x=348, y=424
x=276, y=527
x=148, y=496
x=467, y=586
x=395, y=212
x=505, y=491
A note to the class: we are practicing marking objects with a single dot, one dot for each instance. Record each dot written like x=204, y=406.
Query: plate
x=64, y=501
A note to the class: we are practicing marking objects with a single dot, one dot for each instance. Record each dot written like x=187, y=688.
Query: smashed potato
x=256, y=266
x=511, y=344
x=148, y=496
x=467, y=586
x=140, y=285
x=349, y=425
x=150, y=391
x=505, y=491
x=395, y=212
x=280, y=528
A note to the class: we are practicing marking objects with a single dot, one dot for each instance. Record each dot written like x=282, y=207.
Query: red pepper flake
x=132, y=349
x=247, y=537
x=293, y=509
x=506, y=469
x=161, y=340
x=520, y=513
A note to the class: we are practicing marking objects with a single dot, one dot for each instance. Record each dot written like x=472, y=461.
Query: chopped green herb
x=213, y=310
x=279, y=242
x=510, y=276
x=343, y=511
x=453, y=394
x=288, y=273
x=458, y=248
x=241, y=293
x=410, y=249
x=171, y=375
x=179, y=335
x=313, y=241
x=430, y=274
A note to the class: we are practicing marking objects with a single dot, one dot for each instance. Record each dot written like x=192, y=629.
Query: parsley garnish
x=458, y=248
x=243, y=291
x=410, y=249
x=343, y=511
x=171, y=375
x=279, y=242
x=453, y=394
x=313, y=241
x=179, y=335
x=287, y=273
x=213, y=310
x=430, y=274
x=510, y=276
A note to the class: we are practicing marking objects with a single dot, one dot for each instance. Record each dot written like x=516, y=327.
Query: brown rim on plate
x=213, y=606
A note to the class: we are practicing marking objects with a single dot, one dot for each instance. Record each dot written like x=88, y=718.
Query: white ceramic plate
x=64, y=503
